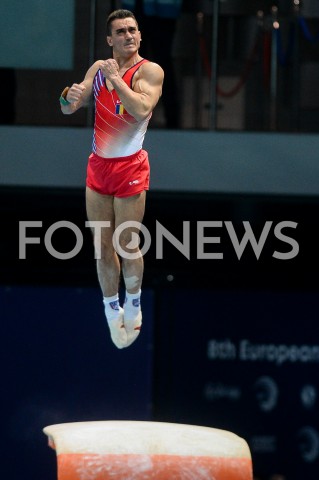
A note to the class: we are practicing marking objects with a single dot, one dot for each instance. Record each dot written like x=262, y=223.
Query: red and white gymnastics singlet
x=116, y=132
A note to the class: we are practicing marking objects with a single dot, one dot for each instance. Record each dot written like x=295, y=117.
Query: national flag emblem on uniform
x=119, y=109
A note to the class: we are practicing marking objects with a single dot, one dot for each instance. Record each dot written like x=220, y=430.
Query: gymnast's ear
x=109, y=41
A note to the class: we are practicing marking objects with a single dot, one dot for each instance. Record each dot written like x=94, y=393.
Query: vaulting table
x=135, y=450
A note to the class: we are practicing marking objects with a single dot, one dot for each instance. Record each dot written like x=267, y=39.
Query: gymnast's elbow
x=143, y=113
x=141, y=117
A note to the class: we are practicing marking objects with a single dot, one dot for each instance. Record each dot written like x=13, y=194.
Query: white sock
x=132, y=315
x=111, y=307
x=132, y=305
x=114, y=316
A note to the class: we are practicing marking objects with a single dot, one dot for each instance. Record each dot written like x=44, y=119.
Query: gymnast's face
x=125, y=37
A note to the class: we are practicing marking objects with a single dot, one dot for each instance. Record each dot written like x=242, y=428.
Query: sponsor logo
x=308, y=444
x=308, y=396
x=220, y=391
x=266, y=391
x=263, y=444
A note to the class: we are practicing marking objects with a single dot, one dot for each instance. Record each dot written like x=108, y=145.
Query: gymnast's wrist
x=63, y=100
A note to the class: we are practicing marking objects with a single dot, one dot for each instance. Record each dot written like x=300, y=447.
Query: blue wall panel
x=245, y=361
x=58, y=365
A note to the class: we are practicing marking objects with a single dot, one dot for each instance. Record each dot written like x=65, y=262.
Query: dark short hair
x=118, y=14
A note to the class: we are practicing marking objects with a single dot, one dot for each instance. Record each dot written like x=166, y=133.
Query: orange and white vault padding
x=125, y=450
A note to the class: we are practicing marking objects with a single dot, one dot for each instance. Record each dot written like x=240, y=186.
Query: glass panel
x=254, y=69
x=37, y=35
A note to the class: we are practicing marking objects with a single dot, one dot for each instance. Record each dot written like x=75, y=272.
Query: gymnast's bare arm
x=146, y=90
x=79, y=94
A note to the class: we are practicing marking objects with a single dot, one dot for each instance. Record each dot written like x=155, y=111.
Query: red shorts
x=120, y=176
